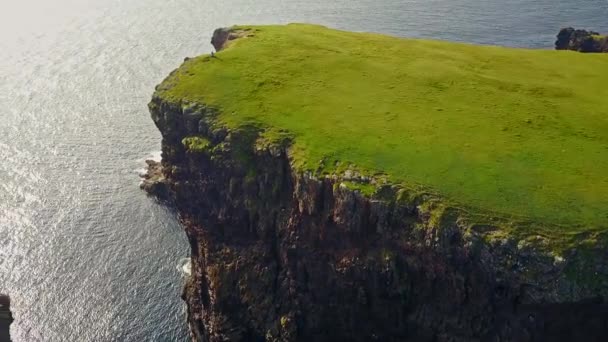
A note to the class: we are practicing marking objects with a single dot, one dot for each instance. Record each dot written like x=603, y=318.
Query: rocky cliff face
x=581, y=40
x=6, y=318
x=280, y=255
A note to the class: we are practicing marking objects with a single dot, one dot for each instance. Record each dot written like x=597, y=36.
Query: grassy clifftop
x=522, y=133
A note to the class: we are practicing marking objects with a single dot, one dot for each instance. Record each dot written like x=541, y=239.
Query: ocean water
x=84, y=254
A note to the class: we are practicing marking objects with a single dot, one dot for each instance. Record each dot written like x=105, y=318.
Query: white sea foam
x=156, y=156
x=185, y=266
x=141, y=171
x=153, y=155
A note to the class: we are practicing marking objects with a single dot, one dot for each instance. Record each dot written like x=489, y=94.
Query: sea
x=84, y=254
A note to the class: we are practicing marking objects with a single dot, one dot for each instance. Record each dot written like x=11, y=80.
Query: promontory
x=340, y=186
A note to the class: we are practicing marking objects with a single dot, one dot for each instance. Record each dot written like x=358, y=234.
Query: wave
x=185, y=266
x=153, y=155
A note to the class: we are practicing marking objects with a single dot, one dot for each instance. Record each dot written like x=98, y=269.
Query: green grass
x=364, y=188
x=516, y=132
x=196, y=144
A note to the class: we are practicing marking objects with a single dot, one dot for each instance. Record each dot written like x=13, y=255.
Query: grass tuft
x=196, y=144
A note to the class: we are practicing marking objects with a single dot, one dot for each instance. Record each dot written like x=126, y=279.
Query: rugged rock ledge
x=279, y=255
x=6, y=318
x=581, y=40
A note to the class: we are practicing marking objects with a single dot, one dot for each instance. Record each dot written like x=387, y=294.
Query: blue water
x=84, y=254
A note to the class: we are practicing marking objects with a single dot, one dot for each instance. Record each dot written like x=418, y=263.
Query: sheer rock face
x=222, y=36
x=279, y=255
x=6, y=318
x=581, y=40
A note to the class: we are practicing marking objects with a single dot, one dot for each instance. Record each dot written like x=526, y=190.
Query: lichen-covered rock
x=278, y=255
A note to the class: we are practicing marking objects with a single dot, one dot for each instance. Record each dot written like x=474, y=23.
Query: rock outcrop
x=223, y=35
x=153, y=181
x=281, y=255
x=581, y=40
x=6, y=318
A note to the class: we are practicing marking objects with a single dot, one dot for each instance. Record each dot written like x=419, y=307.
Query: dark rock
x=6, y=318
x=153, y=181
x=581, y=40
x=220, y=37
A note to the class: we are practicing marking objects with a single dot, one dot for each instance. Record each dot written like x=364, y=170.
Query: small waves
x=141, y=171
x=185, y=266
x=153, y=155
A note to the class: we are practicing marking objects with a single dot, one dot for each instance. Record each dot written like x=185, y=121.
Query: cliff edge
x=340, y=186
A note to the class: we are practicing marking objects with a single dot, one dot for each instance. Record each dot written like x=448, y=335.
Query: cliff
x=6, y=318
x=581, y=40
x=288, y=246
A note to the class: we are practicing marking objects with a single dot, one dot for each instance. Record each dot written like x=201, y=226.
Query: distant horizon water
x=86, y=255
